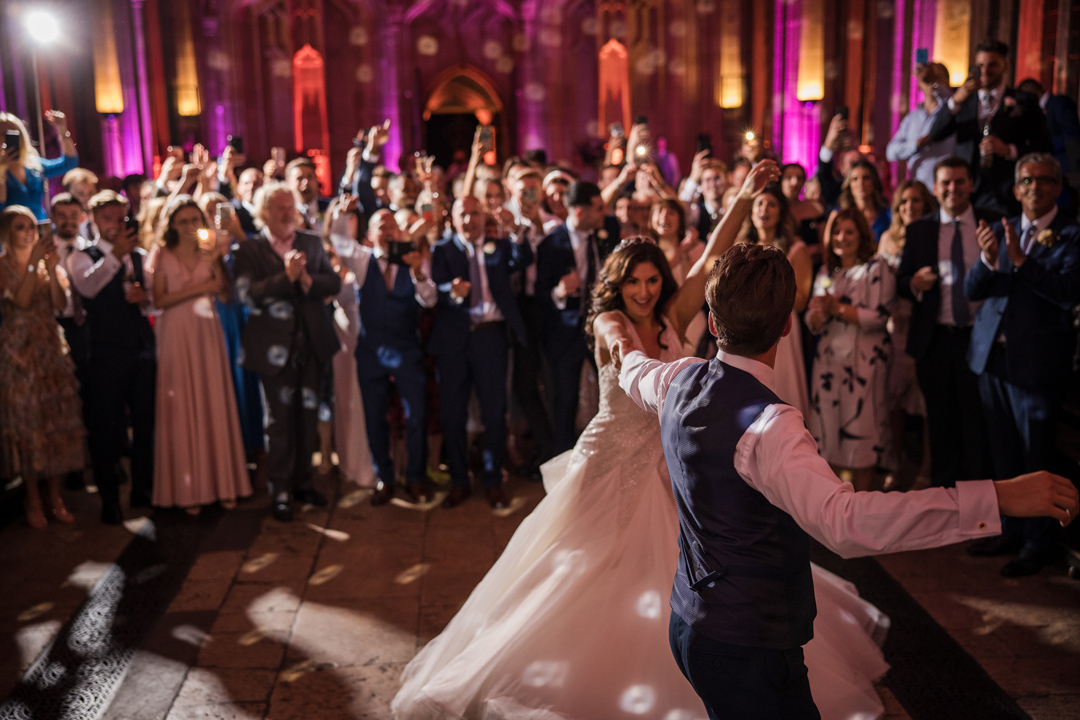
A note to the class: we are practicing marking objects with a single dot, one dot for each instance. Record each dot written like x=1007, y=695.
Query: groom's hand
x=1038, y=494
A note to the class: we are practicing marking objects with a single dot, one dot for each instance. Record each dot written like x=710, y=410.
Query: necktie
x=388, y=277
x=1028, y=240
x=476, y=292
x=960, y=309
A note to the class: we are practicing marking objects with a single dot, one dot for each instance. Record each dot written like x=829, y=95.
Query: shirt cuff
x=979, y=513
x=986, y=261
x=825, y=155
x=560, y=304
x=689, y=191
x=951, y=104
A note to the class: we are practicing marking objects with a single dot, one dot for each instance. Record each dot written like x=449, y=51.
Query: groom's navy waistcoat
x=744, y=564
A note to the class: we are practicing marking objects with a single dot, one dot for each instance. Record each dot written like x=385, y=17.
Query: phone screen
x=396, y=251
x=922, y=56
x=13, y=141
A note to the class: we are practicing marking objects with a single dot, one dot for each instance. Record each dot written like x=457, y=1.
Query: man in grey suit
x=285, y=277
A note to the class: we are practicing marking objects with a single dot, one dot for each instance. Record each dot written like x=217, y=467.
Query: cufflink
x=982, y=525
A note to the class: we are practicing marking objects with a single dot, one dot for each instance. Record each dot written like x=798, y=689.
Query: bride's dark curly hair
x=620, y=265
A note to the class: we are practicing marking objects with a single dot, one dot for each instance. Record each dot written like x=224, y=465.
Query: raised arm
x=687, y=301
x=611, y=334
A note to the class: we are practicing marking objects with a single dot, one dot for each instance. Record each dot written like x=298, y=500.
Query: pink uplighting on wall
x=796, y=125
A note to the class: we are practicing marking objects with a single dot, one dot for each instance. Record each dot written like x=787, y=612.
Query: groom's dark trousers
x=743, y=683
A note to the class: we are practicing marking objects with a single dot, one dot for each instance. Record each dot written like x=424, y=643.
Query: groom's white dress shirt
x=778, y=457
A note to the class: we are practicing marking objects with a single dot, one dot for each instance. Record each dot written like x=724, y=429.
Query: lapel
x=269, y=254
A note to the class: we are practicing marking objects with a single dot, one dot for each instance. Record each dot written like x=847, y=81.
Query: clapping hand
x=42, y=249
x=295, y=264
x=1012, y=244
x=460, y=289
x=924, y=279
x=988, y=241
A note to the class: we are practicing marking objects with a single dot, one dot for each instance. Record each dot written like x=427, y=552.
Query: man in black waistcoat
x=121, y=371
x=751, y=489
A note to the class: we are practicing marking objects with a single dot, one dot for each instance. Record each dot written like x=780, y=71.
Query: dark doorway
x=450, y=132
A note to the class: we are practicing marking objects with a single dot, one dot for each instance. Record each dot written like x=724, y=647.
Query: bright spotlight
x=42, y=26
x=749, y=134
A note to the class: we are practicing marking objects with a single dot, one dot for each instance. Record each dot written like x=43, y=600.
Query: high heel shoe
x=35, y=518
x=60, y=513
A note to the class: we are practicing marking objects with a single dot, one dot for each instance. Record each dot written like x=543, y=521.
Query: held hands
x=619, y=350
x=988, y=242
x=569, y=285
x=1012, y=244
x=1038, y=494
x=924, y=279
x=295, y=264
x=460, y=289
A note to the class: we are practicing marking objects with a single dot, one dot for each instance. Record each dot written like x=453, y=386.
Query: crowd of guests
x=428, y=326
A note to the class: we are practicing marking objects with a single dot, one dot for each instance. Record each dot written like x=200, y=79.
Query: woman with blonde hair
x=23, y=172
x=40, y=410
x=863, y=190
x=853, y=297
x=910, y=202
x=198, y=450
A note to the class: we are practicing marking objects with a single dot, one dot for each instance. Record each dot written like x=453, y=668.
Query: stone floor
x=316, y=619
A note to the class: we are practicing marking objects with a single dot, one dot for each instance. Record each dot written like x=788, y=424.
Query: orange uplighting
x=108, y=90
x=187, y=76
x=952, y=38
x=811, y=83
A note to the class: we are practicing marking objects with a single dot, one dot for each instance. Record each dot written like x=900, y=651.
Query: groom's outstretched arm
x=779, y=458
x=646, y=380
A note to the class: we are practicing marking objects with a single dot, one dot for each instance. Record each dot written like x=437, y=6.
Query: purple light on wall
x=798, y=132
x=898, y=69
x=113, y=147
x=922, y=36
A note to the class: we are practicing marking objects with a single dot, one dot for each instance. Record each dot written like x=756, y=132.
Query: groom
x=751, y=490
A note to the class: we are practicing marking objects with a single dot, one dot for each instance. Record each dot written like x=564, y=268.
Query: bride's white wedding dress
x=571, y=623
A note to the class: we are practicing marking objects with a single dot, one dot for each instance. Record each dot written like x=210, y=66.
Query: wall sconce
x=108, y=90
x=952, y=38
x=187, y=77
x=811, y=83
x=730, y=90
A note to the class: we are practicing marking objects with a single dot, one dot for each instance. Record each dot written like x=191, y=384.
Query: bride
x=571, y=623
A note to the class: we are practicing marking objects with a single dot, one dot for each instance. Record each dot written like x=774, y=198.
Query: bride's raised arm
x=685, y=303
x=609, y=329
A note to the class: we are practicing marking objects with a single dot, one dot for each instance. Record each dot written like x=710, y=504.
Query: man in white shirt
x=751, y=490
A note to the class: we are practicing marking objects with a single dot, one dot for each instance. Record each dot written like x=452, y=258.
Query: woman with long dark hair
x=198, y=449
x=863, y=191
x=572, y=620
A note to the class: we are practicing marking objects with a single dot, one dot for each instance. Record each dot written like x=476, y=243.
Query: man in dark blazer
x=989, y=119
x=1063, y=122
x=301, y=176
x=470, y=341
x=938, y=251
x=1023, y=343
x=568, y=261
x=247, y=185
x=285, y=277
x=358, y=177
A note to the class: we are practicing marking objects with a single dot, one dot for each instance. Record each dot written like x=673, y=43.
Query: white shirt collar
x=1040, y=223
x=762, y=372
x=103, y=245
x=1043, y=99
x=966, y=218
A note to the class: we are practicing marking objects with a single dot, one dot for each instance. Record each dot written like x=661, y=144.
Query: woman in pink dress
x=198, y=449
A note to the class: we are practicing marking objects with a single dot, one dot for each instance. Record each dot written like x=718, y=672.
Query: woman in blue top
x=23, y=171
x=862, y=190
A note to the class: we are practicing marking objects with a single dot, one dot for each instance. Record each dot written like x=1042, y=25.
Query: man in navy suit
x=1023, y=342
x=470, y=342
x=567, y=265
x=1062, y=120
x=938, y=251
x=990, y=120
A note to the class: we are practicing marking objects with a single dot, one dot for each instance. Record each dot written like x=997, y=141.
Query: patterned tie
x=961, y=311
x=476, y=292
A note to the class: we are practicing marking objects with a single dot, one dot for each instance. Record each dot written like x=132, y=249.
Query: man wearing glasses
x=1023, y=342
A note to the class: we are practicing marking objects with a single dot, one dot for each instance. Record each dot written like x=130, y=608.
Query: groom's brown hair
x=751, y=293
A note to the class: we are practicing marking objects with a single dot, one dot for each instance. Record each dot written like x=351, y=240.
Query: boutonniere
x=1010, y=101
x=489, y=248
x=1046, y=238
x=601, y=234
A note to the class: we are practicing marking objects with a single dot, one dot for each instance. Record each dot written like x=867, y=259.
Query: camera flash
x=203, y=234
x=749, y=134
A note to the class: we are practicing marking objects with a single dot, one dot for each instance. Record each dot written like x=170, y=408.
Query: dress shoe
x=416, y=493
x=1028, y=562
x=282, y=512
x=996, y=546
x=310, y=496
x=111, y=514
x=457, y=496
x=383, y=493
x=496, y=498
